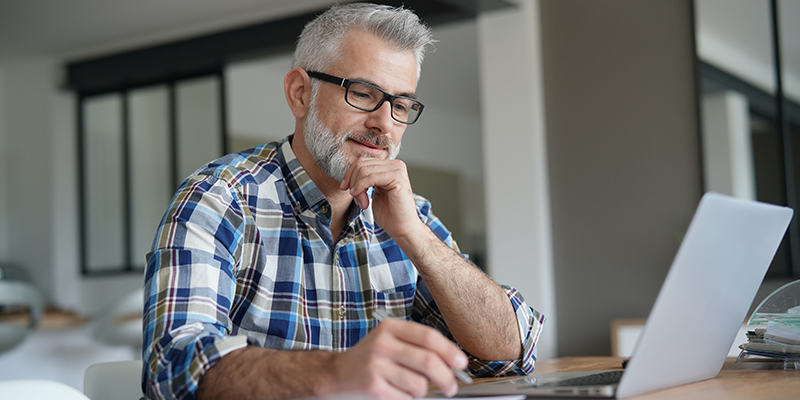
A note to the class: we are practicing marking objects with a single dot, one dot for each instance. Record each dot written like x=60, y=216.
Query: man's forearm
x=397, y=358
x=264, y=374
x=473, y=306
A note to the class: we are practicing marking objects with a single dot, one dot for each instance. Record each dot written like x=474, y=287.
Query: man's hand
x=393, y=200
x=396, y=360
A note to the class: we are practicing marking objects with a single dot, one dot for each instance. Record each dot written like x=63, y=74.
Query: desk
x=735, y=381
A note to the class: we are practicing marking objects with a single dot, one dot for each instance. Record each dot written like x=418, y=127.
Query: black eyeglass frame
x=345, y=83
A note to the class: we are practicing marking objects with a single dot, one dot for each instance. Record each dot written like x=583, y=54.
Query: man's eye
x=360, y=95
x=400, y=107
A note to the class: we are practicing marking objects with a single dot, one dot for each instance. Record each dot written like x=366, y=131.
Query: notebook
x=710, y=286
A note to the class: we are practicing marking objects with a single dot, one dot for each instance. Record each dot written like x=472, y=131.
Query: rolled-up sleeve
x=189, y=289
x=530, y=324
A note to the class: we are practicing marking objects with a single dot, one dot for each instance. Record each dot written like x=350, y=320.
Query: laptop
x=710, y=286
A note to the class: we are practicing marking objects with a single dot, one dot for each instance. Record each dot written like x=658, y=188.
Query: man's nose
x=381, y=119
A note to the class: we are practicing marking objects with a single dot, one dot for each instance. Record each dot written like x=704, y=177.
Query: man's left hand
x=393, y=200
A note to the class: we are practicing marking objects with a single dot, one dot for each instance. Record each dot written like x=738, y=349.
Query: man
x=294, y=244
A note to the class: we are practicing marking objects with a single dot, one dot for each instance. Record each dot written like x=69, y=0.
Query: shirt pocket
x=398, y=304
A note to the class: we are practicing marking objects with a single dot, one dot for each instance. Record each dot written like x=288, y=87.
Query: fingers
x=397, y=359
x=386, y=175
x=403, y=380
x=422, y=351
x=427, y=338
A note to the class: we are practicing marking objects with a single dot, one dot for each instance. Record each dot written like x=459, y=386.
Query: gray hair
x=319, y=44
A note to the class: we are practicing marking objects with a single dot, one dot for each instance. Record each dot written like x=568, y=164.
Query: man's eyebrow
x=411, y=95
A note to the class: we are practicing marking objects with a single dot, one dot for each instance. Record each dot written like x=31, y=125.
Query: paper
x=511, y=397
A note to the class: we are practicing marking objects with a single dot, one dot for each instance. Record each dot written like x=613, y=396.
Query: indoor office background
x=561, y=143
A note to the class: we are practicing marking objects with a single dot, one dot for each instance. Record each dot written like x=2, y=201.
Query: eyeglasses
x=368, y=97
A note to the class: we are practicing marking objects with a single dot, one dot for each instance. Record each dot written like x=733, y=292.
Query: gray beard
x=328, y=150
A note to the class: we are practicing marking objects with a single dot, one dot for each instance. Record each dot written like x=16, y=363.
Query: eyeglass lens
x=370, y=98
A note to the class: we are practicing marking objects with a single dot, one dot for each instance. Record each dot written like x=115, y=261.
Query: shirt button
x=324, y=209
x=297, y=209
x=342, y=311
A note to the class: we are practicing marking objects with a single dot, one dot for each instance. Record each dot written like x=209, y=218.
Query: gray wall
x=623, y=156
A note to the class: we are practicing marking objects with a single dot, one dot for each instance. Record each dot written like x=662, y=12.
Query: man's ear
x=297, y=87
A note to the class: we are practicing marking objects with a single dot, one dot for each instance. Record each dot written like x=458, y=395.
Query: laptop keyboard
x=602, y=378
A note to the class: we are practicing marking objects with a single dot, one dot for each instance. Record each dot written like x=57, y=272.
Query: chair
x=121, y=324
x=39, y=389
x=120, y=380
x=17, y=294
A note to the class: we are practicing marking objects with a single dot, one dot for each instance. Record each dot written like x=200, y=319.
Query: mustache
x=374, y=139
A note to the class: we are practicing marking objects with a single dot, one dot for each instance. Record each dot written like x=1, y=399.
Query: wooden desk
x=735, y=381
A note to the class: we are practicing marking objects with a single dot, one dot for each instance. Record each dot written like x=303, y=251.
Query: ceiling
x=70, y=29
x=81, y=28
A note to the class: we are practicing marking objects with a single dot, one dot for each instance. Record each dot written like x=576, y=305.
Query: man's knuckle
x=430, y=338
x=429, y=362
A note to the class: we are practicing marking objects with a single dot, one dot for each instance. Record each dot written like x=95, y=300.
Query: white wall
x=29, y=83
x=515, y=153
x=4, y=168
x=256, y=106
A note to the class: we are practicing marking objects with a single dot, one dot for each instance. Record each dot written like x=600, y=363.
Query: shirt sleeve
x=189, y=288
x=529, y=321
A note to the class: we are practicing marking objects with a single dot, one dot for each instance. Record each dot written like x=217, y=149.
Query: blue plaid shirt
x=244, y=256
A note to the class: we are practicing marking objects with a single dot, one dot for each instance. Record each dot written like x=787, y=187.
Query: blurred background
x=565, y=143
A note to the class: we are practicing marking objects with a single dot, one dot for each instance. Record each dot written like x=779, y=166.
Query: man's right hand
x=396, y=360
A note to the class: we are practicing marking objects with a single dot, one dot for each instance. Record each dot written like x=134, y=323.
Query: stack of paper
x=780, y=339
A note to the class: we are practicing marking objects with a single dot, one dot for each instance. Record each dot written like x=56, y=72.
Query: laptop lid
x=705, y=297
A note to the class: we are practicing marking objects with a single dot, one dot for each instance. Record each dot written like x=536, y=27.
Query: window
x=749, y=82
x=137, y=145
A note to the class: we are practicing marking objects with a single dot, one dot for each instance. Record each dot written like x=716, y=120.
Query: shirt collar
x=302, y=191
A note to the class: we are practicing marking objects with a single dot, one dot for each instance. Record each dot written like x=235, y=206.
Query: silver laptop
x=712, y=282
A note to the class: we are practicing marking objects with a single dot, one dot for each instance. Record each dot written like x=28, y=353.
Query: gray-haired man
x=293, y=245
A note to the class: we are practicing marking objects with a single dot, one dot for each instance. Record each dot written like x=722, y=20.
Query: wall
x=28, y=84
x=624, y=156
x=518, y=231
x=3, y=168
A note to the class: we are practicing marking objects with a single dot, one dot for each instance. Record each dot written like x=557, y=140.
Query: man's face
x=335, y=133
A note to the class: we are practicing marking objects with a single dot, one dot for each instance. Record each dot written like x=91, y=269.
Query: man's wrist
x=258, y=373
x=417, y=244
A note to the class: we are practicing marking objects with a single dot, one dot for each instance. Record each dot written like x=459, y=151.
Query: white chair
x=39, y=389
x=15, y=292
x=120, y=380
x=121, y=324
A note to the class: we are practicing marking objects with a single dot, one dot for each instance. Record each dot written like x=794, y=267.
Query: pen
x=381, y=314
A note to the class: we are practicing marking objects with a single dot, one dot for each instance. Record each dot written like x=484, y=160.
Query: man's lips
x=368, y=145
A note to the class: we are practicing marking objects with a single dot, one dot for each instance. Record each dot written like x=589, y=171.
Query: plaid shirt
x=244, y=256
